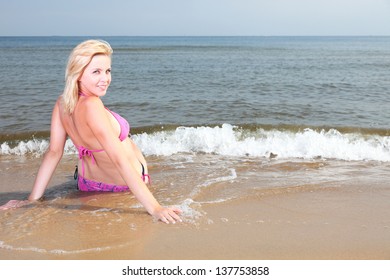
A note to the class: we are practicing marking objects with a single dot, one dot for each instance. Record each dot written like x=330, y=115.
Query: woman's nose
x=106, y=77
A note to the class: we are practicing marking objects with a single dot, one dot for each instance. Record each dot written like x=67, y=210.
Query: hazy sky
x=194, y=17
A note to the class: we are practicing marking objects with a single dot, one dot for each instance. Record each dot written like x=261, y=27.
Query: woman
x=107, y=162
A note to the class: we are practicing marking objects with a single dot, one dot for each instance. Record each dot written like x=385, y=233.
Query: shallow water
x=70, y=224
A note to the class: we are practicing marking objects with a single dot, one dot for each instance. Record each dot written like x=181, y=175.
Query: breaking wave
x=229, y=140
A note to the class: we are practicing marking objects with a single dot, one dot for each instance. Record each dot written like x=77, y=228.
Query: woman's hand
x=167, y=215
x=14, y=204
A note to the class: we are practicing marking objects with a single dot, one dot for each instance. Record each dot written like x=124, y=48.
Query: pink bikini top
x=124, y=132
x=123, y=123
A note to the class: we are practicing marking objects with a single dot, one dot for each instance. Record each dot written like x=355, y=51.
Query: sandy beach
x=296, y=223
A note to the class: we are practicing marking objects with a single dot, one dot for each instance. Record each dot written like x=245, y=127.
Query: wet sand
x=298, y=226
x=326, y=225
x=309, y=223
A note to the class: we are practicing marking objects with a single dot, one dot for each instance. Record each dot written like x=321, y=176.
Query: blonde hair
x=79, y=59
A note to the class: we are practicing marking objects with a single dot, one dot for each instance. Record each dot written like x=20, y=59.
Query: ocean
x=219, y=119
x=259, y=87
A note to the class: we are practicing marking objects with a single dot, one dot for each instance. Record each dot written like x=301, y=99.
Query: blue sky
x=194, y=17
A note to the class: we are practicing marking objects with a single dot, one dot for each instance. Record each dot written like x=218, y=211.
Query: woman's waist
x=105, y=171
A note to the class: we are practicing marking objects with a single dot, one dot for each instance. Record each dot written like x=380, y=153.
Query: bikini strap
x=144, y=176
x=88, y=153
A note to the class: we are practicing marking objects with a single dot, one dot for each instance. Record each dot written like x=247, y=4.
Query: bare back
x=76, y=127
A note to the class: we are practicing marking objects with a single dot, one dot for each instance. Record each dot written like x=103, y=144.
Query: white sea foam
x=232, y=176
x=190, y=213
x=228, y=140
x=5, y=246
x=34, y=146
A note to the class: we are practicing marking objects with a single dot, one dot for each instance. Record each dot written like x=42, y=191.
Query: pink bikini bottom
x=86, y=185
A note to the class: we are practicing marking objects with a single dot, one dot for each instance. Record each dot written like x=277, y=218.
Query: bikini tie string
x=144, y=176
x=86, y=152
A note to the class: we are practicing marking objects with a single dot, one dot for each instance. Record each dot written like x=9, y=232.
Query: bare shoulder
x=89, y=105
x=92, y=105
x=59, y=110
x=95, y=113
x=59, y=105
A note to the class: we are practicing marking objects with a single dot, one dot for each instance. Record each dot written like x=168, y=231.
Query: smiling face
x=96, y=76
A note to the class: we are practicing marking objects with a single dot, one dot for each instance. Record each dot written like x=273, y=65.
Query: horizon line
x=195, y=35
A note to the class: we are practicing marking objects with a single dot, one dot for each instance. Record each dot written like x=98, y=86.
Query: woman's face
x=97, y=76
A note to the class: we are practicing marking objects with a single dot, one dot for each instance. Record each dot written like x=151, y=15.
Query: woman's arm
x=49, y=163
x=99, y=123
x=141, y=159
x=52, y=156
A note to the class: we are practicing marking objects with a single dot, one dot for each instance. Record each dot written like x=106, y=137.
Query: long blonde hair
x=79, y=59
